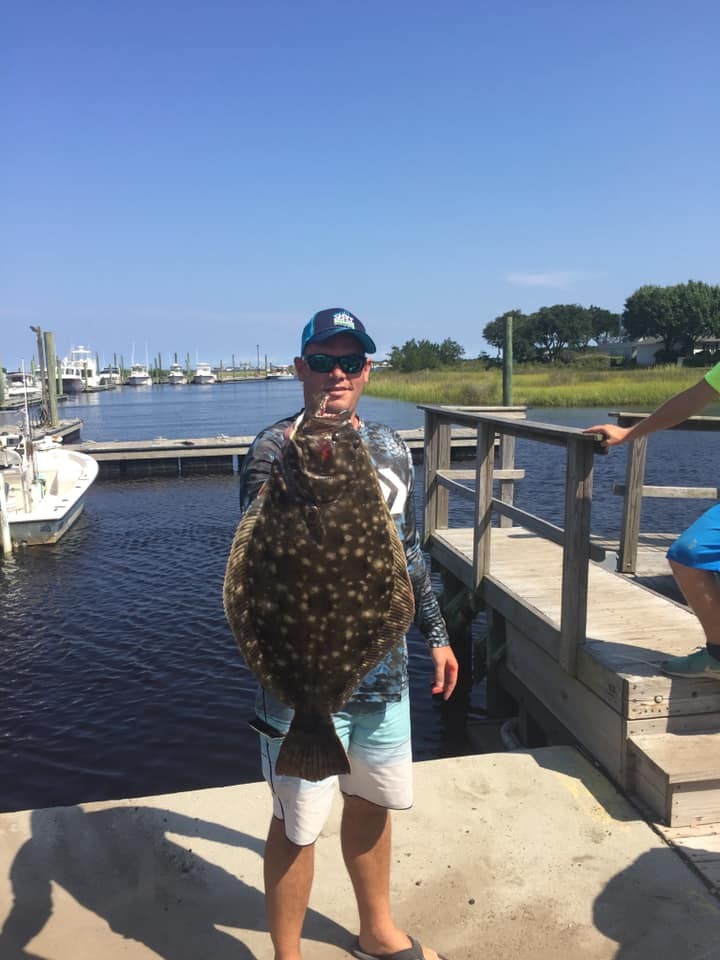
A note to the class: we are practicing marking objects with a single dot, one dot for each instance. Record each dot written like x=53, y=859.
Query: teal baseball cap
x=329, y=323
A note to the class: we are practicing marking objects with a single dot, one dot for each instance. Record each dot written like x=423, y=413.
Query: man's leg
x=288, y=871
x=366, y=845
x=701, y=589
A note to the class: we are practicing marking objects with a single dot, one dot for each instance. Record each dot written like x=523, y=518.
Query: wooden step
x=677, y=775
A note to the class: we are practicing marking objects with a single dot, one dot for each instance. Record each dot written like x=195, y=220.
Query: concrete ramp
x=519, y=856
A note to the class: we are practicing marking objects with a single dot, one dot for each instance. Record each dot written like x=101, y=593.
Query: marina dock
x=574, y=644
x=162, y=455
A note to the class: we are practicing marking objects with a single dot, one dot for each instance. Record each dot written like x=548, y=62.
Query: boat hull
x=65, y=477
x=72, y=385
x=32, y=533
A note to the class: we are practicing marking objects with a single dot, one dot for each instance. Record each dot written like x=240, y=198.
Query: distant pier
x=171, y=457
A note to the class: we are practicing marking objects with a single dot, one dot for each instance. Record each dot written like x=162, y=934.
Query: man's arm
x=258, y=461
x=687, y=403
x=428, y=617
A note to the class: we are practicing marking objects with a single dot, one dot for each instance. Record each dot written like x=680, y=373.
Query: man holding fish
x=324, y=577
x=695, y=555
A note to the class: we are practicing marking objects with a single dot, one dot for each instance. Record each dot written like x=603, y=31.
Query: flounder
x=316, y=586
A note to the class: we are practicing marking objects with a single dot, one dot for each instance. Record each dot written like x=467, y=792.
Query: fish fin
x=312, y=750
x=236, y=600
x=401, y=609
x=396, y=623
x=402, y=605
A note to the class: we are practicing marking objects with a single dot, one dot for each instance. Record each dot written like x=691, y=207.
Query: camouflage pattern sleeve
x=256, y=467
x=396, y=473
x=428, y=618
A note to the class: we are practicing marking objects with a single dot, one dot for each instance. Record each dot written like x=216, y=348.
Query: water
x=120, y=676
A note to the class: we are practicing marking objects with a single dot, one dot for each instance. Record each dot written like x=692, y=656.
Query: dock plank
x=630, y=630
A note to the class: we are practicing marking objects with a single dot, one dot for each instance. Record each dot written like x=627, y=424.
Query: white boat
x=44, y=486
x=18, y=385
x=79, y=371
x=204, y=374
x=176, y=376
x=139, y=376
x=110, y=376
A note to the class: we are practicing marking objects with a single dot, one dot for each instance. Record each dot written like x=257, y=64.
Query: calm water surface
x=120, y=676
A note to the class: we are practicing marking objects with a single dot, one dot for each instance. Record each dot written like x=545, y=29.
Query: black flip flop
x=413, y=952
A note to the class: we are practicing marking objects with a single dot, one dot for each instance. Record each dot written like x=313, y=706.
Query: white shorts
x=376, y=737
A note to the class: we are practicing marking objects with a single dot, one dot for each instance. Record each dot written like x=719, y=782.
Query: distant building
x=643, y=350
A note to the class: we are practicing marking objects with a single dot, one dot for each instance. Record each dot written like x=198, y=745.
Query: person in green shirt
x=695, y=555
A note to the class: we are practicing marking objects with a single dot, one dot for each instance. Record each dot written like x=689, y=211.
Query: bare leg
x=366, y=845
x=288, y=872
x=701, y=589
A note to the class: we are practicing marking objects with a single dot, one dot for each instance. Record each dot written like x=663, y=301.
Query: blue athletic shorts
x=699, y=546
x=376, y=737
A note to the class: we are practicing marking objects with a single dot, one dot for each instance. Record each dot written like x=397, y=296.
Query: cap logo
x=343, y=320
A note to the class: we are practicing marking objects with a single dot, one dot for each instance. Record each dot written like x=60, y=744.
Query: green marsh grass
x=536, y=386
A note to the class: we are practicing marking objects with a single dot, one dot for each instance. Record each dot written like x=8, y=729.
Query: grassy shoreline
x=538, y=387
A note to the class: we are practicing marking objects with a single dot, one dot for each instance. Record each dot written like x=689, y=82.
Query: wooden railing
x=634, y=488
x=574, y=536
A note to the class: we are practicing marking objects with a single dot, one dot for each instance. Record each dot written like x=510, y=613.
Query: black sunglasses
x=324, y=362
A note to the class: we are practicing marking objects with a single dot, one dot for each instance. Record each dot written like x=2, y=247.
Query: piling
x=41, y=361
x=508, y=362
x=4, y=522
x=51, y=361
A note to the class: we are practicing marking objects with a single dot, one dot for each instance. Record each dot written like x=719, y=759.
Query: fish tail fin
x=312, y=750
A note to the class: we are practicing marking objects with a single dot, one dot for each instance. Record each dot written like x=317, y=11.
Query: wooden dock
x=573, y=641
x=165, y=456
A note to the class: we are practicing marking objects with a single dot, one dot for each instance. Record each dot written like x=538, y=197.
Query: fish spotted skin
x=316, y=587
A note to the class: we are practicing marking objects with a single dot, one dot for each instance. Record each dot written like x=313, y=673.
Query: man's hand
x=446, y=670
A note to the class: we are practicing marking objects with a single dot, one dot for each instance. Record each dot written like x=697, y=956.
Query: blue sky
x=200, y=177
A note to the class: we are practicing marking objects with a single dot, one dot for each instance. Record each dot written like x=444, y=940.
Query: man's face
x=343, y=390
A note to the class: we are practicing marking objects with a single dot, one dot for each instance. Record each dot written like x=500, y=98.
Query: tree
x=561, y=327
x=425, y=355
x=677, y=315
x=606, y=326
x=649, y=312
x=450, y=352
x=697, y=306
x=523, y=335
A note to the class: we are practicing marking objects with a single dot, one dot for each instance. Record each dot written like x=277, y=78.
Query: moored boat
x=204, y=374
x=139, y=376
x=176, y=376
x=110, y=376
x=79, y=371
x=44, y=486
x=19, y=385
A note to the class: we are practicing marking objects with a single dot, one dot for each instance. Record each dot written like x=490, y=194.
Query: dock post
x=507, y=388
x=51, y=361
x=2, y=385
x=483, y=502
x=437, y=457
x=632, y=504
x=41, y=362
x=4, y=522
x=576, y=551
x=507, y=487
